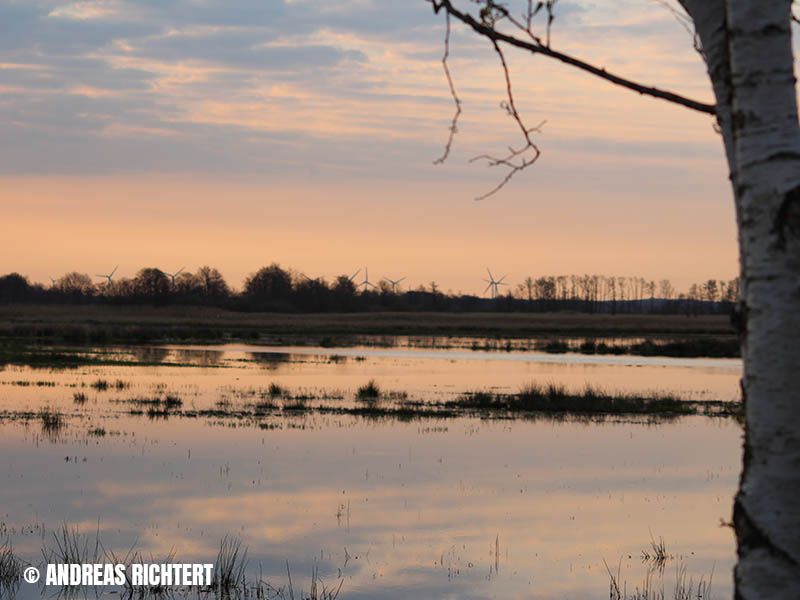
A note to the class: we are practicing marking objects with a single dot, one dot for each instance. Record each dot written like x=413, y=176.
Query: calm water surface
x=434, y=508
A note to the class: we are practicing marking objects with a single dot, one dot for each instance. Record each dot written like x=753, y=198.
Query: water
x=433, y=508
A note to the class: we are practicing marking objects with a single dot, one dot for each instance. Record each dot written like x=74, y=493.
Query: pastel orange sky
x=240, y=133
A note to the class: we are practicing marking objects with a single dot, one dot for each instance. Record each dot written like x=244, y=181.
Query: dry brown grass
x=179, y=322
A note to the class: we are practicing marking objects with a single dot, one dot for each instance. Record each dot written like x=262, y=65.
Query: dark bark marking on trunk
x=751, y=537
x=787, y=218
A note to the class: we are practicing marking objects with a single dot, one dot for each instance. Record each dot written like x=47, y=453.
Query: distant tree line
x=273, y=288
x=601, y=293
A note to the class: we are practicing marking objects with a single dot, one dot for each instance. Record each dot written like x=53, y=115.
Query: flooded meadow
x=383, y=493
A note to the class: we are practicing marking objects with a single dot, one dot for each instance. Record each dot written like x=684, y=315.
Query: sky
x=237, y=133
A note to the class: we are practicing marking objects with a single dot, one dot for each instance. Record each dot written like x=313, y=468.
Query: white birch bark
x=767, y=190
x=747, y=47
x=748, y=52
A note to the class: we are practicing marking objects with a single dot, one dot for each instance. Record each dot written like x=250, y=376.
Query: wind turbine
x=109, y=276
x=366, y=283
x=394, y=283
x=52, y=281
x=494, y=284
x=354, y=275
x=174, y=275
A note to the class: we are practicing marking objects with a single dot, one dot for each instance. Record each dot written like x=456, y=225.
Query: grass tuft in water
x=685, y=589
x=230, y=567
x=556, y=398
x=70, y=547
x=656, y=556
x=52, y=422
x=10, y=567
x=101, y=385
x=369, y=391
x=157, y=406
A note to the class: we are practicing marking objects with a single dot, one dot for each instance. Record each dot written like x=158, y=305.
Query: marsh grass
x=230, y=580
x=690, y=347
x=79, y=398
x=317, y=591
x=101, y=385
x=550, y=400
x=10, y=567
x=556, y=398
x=148, y=592
x=154, y=406
x=231, y=566
x=369, y=391
x=29, y=383
x=264, y=407
x=652, y=589
x=52, y=422
x=296, y=404
x=656, y=555
x=71, y=547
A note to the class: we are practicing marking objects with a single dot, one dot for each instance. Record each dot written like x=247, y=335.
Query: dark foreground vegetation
x=371, y=401
x=99, y=323
x=553, y=398
x=276, y=289
x=232, y=577
x=642, y=335
x=689, y=347
x=232, y=574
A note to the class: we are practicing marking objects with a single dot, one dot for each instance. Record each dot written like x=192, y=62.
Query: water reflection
x=430, y=509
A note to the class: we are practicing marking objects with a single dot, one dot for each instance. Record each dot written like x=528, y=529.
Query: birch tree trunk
x=767, y=190
x=748, y=51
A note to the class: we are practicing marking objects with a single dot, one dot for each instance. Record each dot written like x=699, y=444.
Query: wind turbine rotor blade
x=354, y=275
x=179, y=271
x=488, y=287
x=401, y=279
x=114, y=271
x=490, y=274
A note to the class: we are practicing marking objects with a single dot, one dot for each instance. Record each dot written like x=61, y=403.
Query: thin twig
x=528, y=153
x=456, y=101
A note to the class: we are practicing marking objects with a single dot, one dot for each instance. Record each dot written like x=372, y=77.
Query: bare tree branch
x=519, y=159
x=550, y=5
x=486, y=28
x=456, y=101
x=524, y=156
